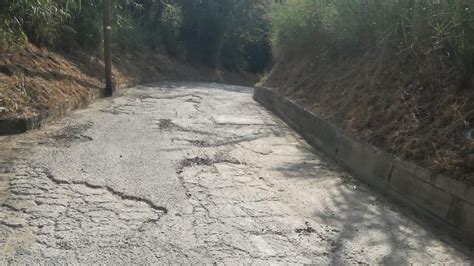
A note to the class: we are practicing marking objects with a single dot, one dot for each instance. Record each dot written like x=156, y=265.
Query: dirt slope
x=413, y=106
x=33, y=79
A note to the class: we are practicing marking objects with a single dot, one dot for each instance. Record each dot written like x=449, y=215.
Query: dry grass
x=33, y=79
x=411, y=105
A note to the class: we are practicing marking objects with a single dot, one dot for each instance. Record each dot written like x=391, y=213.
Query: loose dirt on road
x=194, y=173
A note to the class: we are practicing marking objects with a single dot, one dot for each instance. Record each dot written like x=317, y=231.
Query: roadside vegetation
x=227, y=33
x=351, y=27
x=397, y=73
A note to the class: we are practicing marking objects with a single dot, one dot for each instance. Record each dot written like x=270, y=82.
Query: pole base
x=107, y=92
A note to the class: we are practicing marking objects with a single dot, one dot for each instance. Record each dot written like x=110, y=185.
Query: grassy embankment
x=399, y=74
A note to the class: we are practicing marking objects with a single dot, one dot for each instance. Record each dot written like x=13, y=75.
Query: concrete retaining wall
x=449, y=202
x=22, y=124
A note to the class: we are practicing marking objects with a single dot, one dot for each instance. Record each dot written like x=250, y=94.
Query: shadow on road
x=361, y=216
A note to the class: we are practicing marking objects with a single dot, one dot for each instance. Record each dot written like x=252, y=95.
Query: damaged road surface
x=194, y=173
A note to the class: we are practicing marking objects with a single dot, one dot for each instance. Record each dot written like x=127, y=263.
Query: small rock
x=469, y=161
x=2, y=109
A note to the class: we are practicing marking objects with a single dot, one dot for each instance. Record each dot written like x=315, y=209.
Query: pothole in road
x=204, y=161
x=199, y=143
x=306, y=230
x=72, y=133
x=166, y=124
x=196, y=161
x=72, y=215
x=121, y=109
x=169, y=125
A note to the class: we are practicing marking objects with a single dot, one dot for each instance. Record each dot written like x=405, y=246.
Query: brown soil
x=34, y=79
x=411, y=105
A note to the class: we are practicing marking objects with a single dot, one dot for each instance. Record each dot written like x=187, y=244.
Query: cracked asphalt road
x=194, y=173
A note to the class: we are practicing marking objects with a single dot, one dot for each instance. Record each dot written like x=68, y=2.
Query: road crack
x=122, y=195
x=72, y=215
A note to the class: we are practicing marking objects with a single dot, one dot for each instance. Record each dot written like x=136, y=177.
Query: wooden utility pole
x=109, y=89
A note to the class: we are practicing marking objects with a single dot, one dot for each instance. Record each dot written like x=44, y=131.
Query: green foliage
x=296, y=26
x=221, y=33
x=226, y=33
x=86, y=26
x=421, y=26
x=171, y=22
x=39, y=20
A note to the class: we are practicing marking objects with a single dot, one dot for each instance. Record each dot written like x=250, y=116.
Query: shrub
x=38, y=20
x=363, y=23
x=296, y=25
x=171, y=23
x=86, y=25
